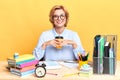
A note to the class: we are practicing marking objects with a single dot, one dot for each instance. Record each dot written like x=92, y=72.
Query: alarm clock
x=40, y=70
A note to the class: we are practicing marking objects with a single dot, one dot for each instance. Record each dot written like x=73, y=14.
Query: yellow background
x=23, y=21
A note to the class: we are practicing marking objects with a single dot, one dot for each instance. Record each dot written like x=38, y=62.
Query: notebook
x=51, y=64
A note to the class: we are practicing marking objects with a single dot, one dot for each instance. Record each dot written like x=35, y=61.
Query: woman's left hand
x=66, y=42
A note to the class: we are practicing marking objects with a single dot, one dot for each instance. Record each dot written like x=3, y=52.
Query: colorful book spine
x=23, y=73
x=24, y=57
x=28, y=60
x=21, y=59
x=27, y=68
x=22, y=65
x=12, y=62
x=19, y=70
x=28, y=72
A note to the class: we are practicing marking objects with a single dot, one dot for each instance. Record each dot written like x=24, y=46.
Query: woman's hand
x=56, y=42
x=66, y=42
x=51, y=42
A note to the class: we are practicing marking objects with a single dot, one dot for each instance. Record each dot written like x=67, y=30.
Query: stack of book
x=23, y=65
x=86, y=70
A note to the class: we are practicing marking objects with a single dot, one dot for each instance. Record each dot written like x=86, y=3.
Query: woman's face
x=59, y=18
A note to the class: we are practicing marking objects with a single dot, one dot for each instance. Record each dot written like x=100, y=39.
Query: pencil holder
x=104, y=54
x=81, y=63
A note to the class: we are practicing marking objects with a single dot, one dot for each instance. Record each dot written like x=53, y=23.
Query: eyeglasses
x=62, y=17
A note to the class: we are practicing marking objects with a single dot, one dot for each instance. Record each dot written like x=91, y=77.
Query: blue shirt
x=51, y=53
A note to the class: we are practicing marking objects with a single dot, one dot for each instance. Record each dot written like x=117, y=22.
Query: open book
x=51, y=64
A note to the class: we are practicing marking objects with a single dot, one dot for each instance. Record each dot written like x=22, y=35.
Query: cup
x=16, y=55
x=59, y=38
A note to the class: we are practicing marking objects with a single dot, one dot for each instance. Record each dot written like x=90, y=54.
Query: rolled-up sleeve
x=38, y=51
x=79, y=48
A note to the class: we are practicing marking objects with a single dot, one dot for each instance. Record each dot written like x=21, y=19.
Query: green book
x=23, y=57
x=101, y=43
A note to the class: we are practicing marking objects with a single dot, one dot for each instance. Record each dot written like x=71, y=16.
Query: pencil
x=79, y=55
x=52, y=74
x=67, y=75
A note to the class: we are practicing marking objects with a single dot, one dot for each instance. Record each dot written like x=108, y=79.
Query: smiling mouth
x=59, y=22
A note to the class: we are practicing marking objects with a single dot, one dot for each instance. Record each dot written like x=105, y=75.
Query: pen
x=70, y=61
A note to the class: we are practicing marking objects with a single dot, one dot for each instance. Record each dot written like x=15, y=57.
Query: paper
x=70, y=64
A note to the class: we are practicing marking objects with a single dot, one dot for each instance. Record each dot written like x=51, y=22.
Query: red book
x=22, y=69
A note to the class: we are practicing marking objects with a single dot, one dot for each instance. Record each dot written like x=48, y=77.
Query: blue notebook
x=29, y=72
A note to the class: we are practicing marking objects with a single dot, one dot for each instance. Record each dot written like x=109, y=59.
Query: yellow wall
x=22, y=21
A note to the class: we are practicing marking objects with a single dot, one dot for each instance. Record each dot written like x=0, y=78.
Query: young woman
x=70, y=44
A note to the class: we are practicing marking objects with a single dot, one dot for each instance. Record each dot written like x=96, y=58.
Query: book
x=106, y=49
x=86, y=70
x=19, y=70
x=100, y=54
x=85, y=73
x=25, y=64
x=96, y=39
x=21, y=59
x=111, y=61
x=106, y=58
x=23, y=73
x=11, y=63
x=28, y=60
x=51, y=64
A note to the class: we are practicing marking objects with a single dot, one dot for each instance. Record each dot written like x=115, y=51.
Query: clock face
x=40, y=71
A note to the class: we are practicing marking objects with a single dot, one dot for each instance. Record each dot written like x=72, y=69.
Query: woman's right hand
x=52, y=42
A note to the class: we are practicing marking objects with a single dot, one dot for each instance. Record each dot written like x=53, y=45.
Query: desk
x=5, y=74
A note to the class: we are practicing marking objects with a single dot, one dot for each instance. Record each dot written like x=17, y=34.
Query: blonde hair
x=56, y=7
